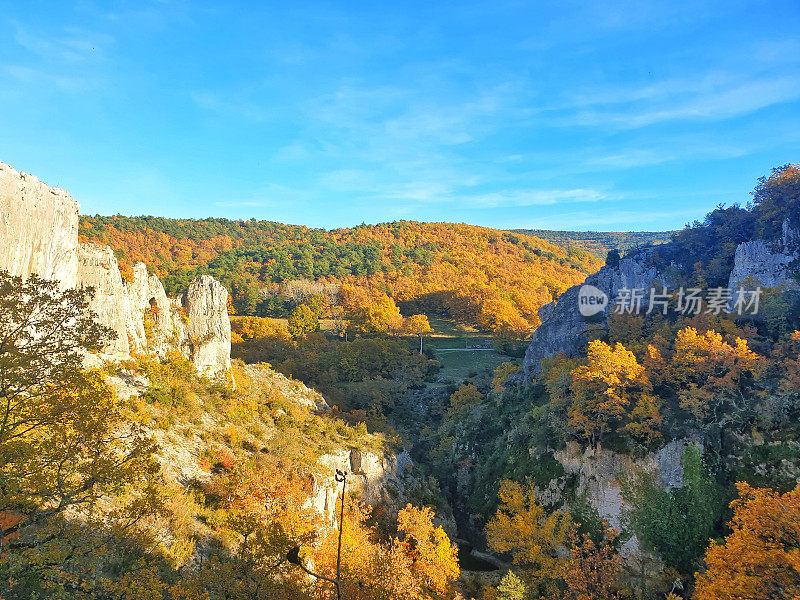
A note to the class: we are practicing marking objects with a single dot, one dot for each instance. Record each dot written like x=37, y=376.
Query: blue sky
x=569, y=115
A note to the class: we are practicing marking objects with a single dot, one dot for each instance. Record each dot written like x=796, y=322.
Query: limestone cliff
x=368, y=473
x=598, y=473
x=564, y=329
x=97, y=268
x=765, y=263
x=208, y=327
x=38, y=228
x=39, y=234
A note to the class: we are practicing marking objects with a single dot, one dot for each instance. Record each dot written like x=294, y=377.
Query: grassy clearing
x=462, y=351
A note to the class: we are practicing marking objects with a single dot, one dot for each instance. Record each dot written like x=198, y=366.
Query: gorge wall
x=39, y=234
x=765, y=263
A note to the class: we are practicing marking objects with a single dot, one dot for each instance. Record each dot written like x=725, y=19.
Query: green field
x=462, y=351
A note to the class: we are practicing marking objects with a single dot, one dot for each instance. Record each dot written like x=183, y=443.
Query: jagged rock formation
x=598, y=472
x=39, y=234
x=38, y=228
x=370, y=474
x=208, y=328
x=564, y=329
x=97, y=268
x=766, y=264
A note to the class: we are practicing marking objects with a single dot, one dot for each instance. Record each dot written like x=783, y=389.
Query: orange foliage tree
x=418, y=565
x=709, y=372
x=760, y=559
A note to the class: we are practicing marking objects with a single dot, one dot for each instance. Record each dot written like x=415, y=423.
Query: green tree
x=302, y=321
x=677, y=522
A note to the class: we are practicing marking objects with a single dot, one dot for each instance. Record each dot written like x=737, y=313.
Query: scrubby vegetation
x=145, y=481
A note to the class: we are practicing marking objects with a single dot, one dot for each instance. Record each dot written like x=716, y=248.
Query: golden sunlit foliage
x=760, y=558
x=612, y=392
x=420, y=563
x=493, y=279
x=709, y=370
x=522, y=528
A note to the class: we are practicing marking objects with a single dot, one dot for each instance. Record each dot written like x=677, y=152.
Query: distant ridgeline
x=600, y=242
x=496, y=280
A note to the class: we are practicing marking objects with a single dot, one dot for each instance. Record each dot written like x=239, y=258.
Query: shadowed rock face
x=766, y=264
x=39, y=234
x=564, y=329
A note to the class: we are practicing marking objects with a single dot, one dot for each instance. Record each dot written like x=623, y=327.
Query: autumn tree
x=501, y=373
x=370, y=311
x=758, y=560
x=433, y=558
x=511, y=587
x=417, y=325
x=611, y=392
x=302, y=321
x=256, y=328
x=522, y=528
x=777, y=198
x=265, y=508
x=419, y=564
x=711, y=374
x=63, y=443
x=592, y=571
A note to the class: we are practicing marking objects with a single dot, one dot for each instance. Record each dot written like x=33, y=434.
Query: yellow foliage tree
x=709, y=371
x=433, y=558
x=612, y=391
x=521, y=527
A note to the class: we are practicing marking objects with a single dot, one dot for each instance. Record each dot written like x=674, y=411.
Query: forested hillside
x=599, y=242
x=493, y=279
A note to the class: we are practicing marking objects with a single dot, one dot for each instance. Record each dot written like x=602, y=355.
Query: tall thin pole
x=340, y=476
x=294, y=554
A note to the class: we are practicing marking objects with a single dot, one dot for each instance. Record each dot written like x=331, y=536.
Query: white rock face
x=147, y=297
x=208, y=330
x=39, y=234
x=97, y=268
x=765, y=264
x=599, y=473
x=38, y=228
x=367, y=473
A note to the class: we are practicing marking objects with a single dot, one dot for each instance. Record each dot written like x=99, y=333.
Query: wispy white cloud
x=717, y=97
x=534, y=197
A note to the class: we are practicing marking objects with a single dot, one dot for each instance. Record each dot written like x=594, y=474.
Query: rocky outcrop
x=159, y=330
x=38, y=228
x=368, y=473
x=97, y=268
x=766, y=264
x=564, y=329
x=208, y=327
x=39, y=234
x=599, y=471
